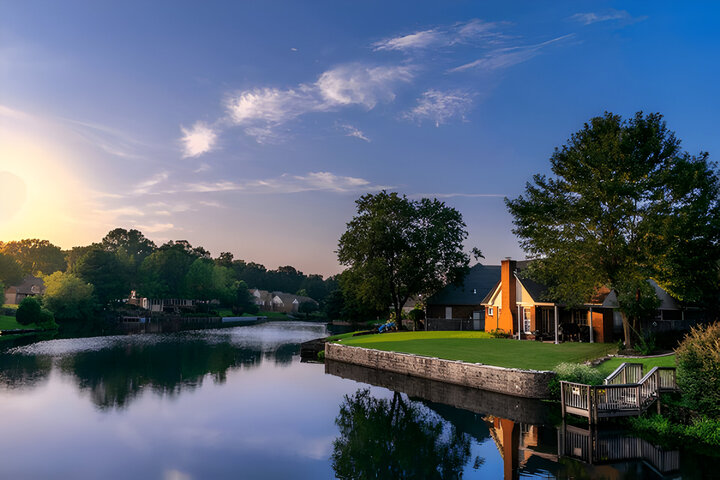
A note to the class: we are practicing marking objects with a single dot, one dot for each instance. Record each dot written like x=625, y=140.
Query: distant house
x=30, y=286
x=464, y=301
x=262, y=298
x=519, y=305
x=288, y=303
x=167, y=305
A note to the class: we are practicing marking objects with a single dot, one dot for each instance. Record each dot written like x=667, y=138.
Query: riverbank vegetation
x=480, y=347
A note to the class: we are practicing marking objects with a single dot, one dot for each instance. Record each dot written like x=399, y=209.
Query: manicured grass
x=9, y=323
x=608, y=366
x=340, y=336
x=480, y=347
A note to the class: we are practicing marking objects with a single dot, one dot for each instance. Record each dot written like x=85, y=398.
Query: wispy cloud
x=457, y=194
x=443, y=36
x=439, y=106
x=593, y=17
x=198, y=139
x=156, y=227
x=508, y=56
x=261, y=110
x=351, y=131
x=146, y=185
x=287, y=183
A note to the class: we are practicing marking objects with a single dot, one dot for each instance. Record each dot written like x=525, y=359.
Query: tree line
x=84, y=279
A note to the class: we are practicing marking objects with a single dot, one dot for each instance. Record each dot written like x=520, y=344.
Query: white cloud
x=506, y=57
x=121, y=212
x=592, y=17
x=197, y=140
x=261, y=110
x=286, y=183
x=355, y=132
x=156, y=227
x=147, y=185
x=443, y=36
x=440, y=106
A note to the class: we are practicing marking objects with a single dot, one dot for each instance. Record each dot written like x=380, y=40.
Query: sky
x=252, y=127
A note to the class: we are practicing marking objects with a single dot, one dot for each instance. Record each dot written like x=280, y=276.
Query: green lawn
x=608, y=366
x=9, y=323
x=480, y=347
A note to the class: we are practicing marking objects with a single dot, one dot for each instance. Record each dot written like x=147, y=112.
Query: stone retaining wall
x=511, y=381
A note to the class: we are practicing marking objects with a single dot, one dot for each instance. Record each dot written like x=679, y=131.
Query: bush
x=646, y=344
x=29, y=311
x=321, y=355
x=574, y=372
x=499, y=333
x=701, y=430
x=698, y=373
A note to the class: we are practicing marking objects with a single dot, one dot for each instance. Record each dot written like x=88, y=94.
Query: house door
x=448, y=313
x=478, y=324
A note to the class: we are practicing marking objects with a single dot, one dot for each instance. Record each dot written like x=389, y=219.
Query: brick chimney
x=508, y=312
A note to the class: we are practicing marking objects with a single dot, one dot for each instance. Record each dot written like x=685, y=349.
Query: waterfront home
x=519, y=305
x=262, y=298
x=29, y=287
x=288, y=303
x=464, y=301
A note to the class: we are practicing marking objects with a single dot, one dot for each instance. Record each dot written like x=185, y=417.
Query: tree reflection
x=380, y=438
x=23, y=371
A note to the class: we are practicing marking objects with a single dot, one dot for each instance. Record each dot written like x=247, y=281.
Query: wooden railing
x=617, y=399
x=625, y=373
x=592, y=447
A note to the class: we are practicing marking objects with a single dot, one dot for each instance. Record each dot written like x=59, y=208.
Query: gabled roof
x=31, y=285
x=476, y=284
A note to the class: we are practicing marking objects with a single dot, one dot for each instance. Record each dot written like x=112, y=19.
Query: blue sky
x=252, y=127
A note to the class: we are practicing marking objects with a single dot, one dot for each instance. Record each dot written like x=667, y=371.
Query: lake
x=239, y=403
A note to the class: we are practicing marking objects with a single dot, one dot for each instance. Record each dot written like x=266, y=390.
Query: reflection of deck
x=624, y=393
x=594, y=448
x=525, y=410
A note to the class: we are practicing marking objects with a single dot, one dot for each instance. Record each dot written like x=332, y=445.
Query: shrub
x=646, y=344
x=499, y=333
x=701, y=430
x=698, y=374
x=29, y=311
x=574, y=372
x=321, y=355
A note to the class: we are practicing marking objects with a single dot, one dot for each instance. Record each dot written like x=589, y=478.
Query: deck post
x=589, y=404
x=556, y=325
x=519, y=320
x=592, y=340
x=562, y=400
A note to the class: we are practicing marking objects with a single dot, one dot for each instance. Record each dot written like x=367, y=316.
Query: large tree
x=11, y=272
x=396, y=248
x=625, y=204
x=68, y=296
x=106, y=272
x=35, y=256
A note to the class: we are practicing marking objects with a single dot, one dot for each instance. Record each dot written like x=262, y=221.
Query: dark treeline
x=103, y=273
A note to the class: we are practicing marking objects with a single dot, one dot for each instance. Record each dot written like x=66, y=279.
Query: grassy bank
x=608, y=366
x=9, y=323
x=480, y=347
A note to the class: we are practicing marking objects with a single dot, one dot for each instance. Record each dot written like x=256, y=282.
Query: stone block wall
x=510, y=381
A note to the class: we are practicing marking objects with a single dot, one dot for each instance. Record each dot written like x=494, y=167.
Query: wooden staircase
x=626, y=392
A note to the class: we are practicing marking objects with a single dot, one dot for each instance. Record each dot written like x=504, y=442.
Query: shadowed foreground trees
x=383, y=439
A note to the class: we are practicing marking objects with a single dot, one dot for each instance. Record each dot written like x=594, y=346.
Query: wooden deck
x=625, y=393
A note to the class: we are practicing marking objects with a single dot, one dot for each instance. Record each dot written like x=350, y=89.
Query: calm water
x=238, y=403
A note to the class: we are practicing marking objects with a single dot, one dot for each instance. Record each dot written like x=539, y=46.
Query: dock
x=625, y=392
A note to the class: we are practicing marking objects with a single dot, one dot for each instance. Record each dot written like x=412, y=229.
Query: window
x=527, y=317
x=490, y=311
x=580, y=317
x=474, y=291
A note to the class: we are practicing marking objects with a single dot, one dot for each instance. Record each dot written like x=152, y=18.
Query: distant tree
x=162, y=274
x=108, y=275
x=36, y=256
x=68, y=296
x=334, y=304
x=199, y=280
x=76, y=253
x=225, y=260
x=129, y=242
x=395, y=439
x=29, y=311
x=396, y=248
x=11, y=272
x=307, y=308
x=625, y=204
x=244, y=302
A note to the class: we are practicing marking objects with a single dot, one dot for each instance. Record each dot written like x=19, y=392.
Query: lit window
x=490, y=311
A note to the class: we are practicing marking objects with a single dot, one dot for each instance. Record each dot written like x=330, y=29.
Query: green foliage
x=698, y=373
x=321, y=355
x=646, y=344
x=108, y=275
x=307, y=308
x=68, y=297
x=702, y=430
x=574, y=372
x=11, y=272
x=618, y=211
x=29, y=311
x=499, y=333
x=396, y=248
x=35, y=256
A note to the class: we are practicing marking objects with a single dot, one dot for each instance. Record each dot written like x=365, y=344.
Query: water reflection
x=529, y=436
x=395, y=439
x=116, y=369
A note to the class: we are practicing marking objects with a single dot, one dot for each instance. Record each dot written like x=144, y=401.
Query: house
x=168, y=305
x=262, y=298
x=519, y=305
x=29, y=287
x=465, y=301
x=288, y=303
